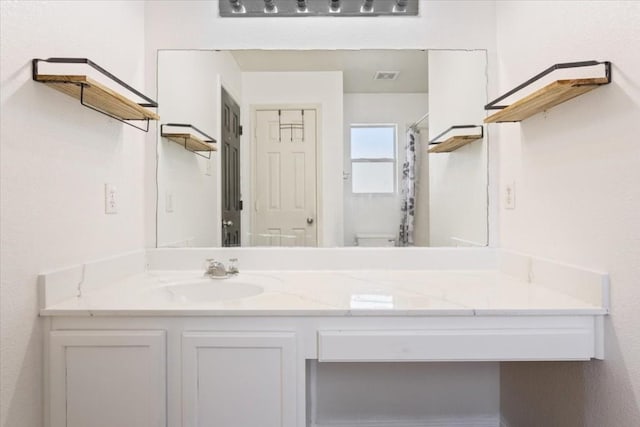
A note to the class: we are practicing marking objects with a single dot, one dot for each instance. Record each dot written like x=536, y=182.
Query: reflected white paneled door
x=285, y=178
x=107, y=379
x=236, y=379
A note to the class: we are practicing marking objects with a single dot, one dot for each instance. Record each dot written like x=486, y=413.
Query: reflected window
x=373, y=158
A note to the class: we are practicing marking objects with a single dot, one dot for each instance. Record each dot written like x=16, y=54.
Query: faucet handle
x=233, y=266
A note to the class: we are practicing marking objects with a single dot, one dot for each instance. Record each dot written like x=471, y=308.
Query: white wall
x=56, y=157
x=577, y=179
x=457, y=180
x=586, y=148
x=189, y=92
x=303, y=88
x=378, y=213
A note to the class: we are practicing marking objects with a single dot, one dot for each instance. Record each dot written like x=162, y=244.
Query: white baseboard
x=485, y=421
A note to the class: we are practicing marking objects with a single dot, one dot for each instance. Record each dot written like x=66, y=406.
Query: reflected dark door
x=231, y=203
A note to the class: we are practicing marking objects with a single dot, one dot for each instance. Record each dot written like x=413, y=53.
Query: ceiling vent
x=386, y=75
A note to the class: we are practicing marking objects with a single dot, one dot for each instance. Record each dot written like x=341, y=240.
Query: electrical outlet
x=110, y=199
x=510, y=196
x=168, y=203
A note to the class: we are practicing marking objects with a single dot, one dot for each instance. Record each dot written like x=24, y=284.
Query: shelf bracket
x=148, y=102
x=34, y=70
x=207, y=139
x=82, y=86
x=607, y=70
x=435, y=141
x=455, y=142
x=198, y=153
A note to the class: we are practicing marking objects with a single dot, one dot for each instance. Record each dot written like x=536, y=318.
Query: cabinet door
x=107, y=379
x=238, y=379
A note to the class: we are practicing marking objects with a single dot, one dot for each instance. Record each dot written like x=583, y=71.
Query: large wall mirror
x=323, y=148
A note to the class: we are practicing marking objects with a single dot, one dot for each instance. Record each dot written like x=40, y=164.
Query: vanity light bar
x=298, y=8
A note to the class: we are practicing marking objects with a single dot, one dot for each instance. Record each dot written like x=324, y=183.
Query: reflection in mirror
x=322, y=148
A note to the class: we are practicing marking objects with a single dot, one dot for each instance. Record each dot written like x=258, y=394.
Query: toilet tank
x=375, y=240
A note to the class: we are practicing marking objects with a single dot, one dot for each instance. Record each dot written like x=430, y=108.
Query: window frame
x=393, y=161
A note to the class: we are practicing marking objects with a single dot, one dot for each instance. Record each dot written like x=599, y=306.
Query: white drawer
x=451, y=345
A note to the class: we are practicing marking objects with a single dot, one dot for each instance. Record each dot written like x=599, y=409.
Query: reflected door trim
x=311, y=119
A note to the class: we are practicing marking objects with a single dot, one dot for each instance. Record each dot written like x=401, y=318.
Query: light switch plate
x=110, y=199
x=168, y=205
x=510, y=195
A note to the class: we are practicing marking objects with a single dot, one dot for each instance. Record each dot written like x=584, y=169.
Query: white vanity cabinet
x=107, y=379
x=133, y=355
x=222, y=371
x=236, y=379
x=124, y=378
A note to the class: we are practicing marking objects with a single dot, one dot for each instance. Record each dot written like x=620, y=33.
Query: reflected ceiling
x=359, y=66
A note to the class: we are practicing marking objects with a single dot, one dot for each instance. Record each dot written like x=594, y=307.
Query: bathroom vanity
x=151, y=342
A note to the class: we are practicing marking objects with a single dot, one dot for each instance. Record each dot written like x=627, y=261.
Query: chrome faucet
x=216, y=269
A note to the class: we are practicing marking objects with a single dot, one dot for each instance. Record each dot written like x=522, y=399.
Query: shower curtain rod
x=419, y=120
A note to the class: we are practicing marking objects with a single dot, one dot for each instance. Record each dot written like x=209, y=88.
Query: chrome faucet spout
x=215, y=269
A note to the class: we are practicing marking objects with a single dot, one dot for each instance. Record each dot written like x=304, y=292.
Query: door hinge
x=240, y=131
x=240, y=205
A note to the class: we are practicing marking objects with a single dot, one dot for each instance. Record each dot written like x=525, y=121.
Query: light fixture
x=305, y=8
x=367, y=6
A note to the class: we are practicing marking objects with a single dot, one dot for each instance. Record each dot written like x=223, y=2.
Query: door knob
x=227, y=223
x=309, y=220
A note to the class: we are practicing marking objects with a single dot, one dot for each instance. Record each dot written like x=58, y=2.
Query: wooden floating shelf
x=96, y=95
x=543, y=99
x=190, y=142
x=549, y=96
x=454, y=143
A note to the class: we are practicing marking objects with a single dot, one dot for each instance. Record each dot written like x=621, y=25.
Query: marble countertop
x=327, y=293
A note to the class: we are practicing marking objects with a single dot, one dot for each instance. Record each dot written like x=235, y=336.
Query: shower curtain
x=408, y=190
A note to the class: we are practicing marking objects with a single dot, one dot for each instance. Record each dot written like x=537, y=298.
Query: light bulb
x=400, y=6
x=237, y=6
x=270, y=6
x=302, y=6
x=367, y=6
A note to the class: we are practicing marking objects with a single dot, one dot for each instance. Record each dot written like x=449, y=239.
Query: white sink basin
x=208, y=290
